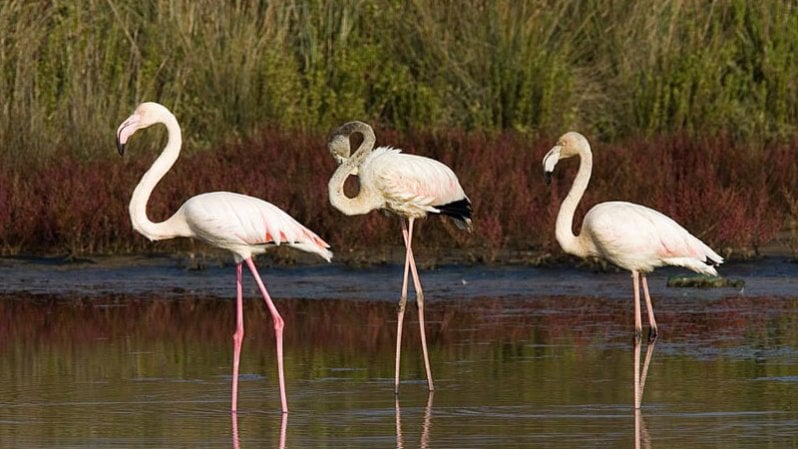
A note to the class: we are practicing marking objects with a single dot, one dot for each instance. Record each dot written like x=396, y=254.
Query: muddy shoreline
x=772, y=276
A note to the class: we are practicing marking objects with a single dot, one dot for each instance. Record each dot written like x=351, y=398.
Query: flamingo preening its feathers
x=407, y=185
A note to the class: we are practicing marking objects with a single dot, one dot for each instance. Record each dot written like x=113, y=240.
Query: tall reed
x=70, y=71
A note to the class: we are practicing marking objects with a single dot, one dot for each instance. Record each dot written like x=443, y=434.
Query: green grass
x=69, y=72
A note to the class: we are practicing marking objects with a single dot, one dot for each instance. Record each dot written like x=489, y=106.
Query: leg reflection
x=636, y=374
x=641, y=434
x=424, y=443
x=236, y=441
x=400, y=443
x=283, y=430
x=425, y=426
x=640, y=377
x=646, y=363
x=642, y=440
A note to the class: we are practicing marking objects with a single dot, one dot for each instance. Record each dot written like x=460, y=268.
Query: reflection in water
x=236, y=441
x=513, y=372
x=283, y=430
x=425, y=426
x=641, y=434
x=640, y=378
x=642, y=440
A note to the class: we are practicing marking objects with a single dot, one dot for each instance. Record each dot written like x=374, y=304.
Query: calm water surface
x=112, y=361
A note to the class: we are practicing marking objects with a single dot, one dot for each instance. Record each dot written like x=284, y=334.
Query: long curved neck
x=142, y=192
x=569, y=242
x=367, y=199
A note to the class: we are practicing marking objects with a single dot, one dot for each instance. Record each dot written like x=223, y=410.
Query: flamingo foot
x=638, y=336
x=652, y=335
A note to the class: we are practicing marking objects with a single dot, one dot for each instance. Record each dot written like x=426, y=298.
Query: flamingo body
x=246, y=226
x=241, y=224
x=638, y=238
x=629, y=235
x=413, y=186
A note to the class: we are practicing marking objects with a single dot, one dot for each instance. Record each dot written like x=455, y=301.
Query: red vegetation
x=733, y=196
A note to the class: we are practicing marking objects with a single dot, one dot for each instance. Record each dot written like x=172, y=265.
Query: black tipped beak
x=120, y=147
x=547, y=177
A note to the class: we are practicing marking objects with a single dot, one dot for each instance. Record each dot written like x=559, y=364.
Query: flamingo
x=244, y=225
x=628, y=235
x=407, y=185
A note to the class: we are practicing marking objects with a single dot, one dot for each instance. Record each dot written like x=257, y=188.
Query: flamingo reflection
x=236, y=441
x=283, y=429
x=641, y=433
x=640, y=378
x=425, y=426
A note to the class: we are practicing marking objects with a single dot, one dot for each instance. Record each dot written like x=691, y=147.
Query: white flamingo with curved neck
x=243, y=225
x=628, y=235
x=407, y=185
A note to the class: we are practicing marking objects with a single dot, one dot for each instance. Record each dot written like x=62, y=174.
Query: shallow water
x=773, y=276
x=113, y=360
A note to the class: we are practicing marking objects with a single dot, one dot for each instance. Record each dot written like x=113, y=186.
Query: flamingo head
x=341, y=150
x=569, y=145
x=145, y=115
x=340, y=146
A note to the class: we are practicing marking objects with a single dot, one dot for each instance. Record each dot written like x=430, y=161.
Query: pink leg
x=402, y=303
x=238, y=336
x=652, y=332
x=638, y=320
x=278, y=331
x=420, y=305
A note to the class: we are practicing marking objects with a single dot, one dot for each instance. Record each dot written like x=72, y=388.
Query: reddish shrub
x=733, y=196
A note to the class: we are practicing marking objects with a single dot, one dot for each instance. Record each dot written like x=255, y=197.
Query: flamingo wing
x=412, y=185
x=636, y=237
x=246, y=225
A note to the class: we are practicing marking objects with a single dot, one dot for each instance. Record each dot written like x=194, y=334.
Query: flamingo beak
x=125, y=130
x=550, y=161
x=339, y=148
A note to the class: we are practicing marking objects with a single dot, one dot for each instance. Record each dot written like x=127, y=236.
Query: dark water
x=165, y=276
x=124, y=357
